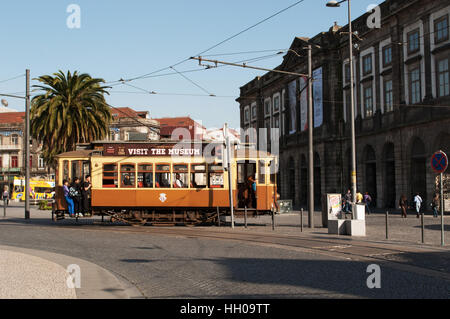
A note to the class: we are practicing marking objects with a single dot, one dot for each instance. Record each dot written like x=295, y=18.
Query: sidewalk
x=23, y=276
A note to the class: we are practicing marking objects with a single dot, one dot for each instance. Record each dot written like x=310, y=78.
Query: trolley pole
x=442, y=208
x=27, y=146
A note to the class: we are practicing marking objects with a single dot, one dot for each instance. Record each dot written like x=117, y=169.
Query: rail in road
x=434, y=262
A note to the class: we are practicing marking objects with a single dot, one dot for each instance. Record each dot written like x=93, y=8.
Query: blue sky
x=125, y=39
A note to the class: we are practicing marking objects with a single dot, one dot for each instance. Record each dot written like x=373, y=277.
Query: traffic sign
x=439, y=162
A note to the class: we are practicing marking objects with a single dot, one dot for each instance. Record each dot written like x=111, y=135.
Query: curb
x=96, y=281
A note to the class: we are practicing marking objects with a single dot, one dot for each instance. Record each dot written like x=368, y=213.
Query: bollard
x=301, y=220
x=273, y=219
x=218, y=216
x=387, y=224
x=4, y=208
x=423, y=229
x=245, y=216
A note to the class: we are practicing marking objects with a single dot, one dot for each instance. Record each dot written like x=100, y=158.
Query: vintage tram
x=168, y=182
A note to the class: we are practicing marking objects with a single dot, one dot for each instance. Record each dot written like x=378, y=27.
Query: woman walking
x=403, y=205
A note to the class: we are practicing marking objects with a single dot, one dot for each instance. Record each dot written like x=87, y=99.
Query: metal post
x=218, y=216
x=442, y=209
x=245, y=216
x=301, y=220
x=352, y=111
x=423, y=228
x=387, y=224
x=310, y=143
x=230, y=188
x=273, y=219
x=4, y=208
x=27, y=146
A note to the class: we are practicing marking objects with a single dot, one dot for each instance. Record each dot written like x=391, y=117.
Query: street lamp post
x=335, y=4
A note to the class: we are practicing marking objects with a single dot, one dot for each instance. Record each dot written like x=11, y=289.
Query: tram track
x=397, y=256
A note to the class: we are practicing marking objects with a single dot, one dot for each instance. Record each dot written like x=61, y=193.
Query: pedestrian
x=435, y=205
x=348, y=200
x=418, y=201
x=86, y=195
x=5, y=195
x=69, y=200
x=367, y=201
x=359, y=197
x=403, y=204
x=75, y=194
x=178, y=183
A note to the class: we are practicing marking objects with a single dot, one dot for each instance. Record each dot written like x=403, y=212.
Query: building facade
x=402, y=105
x=130, y=125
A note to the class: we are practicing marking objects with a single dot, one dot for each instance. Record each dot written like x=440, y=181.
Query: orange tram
x=169, y=182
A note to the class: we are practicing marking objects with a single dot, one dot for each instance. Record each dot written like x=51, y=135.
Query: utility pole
x=310, y=142
x=27, y=146
x=228, y=167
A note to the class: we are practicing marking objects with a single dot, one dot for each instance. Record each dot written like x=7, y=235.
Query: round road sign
x=439, y=162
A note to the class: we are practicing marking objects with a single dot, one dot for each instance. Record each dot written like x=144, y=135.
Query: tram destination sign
x=159, y=150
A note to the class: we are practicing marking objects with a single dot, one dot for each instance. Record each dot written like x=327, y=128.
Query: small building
x=181, y=128
x=130, y=125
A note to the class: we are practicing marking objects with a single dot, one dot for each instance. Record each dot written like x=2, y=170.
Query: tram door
x=245, y=197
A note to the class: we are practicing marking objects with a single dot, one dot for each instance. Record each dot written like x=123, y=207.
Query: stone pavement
x=29, y=277
x=406, y=231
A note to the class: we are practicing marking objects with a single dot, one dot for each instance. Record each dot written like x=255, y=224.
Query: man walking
x=86, y=194
x=418, y=201
x=367, y=200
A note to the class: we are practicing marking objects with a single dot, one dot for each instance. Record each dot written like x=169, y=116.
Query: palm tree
x=71, y=110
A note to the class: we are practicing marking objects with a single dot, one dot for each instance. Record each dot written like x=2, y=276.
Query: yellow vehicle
x=38, y=189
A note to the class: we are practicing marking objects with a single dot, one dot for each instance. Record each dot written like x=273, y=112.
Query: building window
x=14, y=139
x=368, y=101
x=267, y=107
x=246, y=115
x=254, y=111
x=347, y=72
x=276, y=123
x=388, y=100
x=14, y=162
x=413, y=41
x=1, y=162
x=441, y=29
x=276, y=103
x=40, y=162
x=443, y=78
x=347, y=105
x=415, y=95
x=367, y=64
x=387, y=55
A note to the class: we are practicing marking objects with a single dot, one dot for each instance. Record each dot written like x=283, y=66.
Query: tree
x=72, y=109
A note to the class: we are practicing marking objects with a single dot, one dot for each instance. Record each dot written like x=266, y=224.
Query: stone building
x=130, y=125
x=402, y=105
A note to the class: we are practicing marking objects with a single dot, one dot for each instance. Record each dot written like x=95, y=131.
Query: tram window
x=273, y=172
x=180, y=176
x=110, y=175
x=145, y=176
x=198, y=176
x=215, y=176
x=127, y=175
x=66, y=170
x=162, y=176
x=262, y=172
